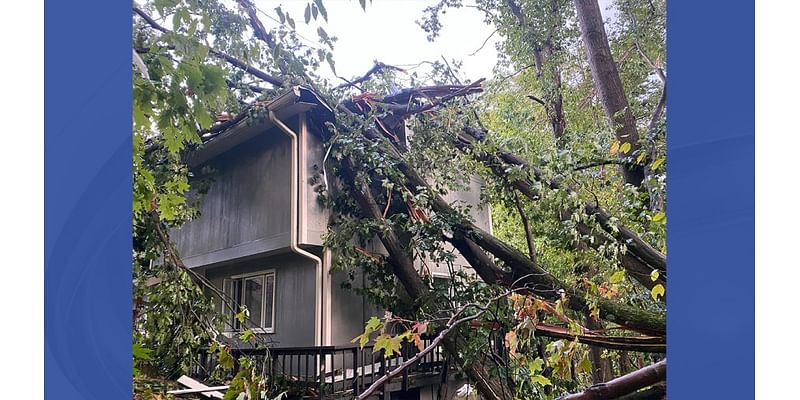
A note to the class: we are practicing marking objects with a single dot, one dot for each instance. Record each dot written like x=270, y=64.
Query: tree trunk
x=403, y=268
x=625, y=384
x=609, y=85
x=601, y=367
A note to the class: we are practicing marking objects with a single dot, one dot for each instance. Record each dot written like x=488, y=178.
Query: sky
x=387, y=32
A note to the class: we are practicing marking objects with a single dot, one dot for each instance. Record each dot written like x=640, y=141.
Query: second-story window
x=257, y=293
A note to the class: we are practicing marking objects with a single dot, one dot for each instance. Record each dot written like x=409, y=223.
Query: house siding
x=245, y=211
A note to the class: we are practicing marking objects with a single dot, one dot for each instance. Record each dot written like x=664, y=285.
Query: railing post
x=321, y=373
x=355, y=371
x=404, y=352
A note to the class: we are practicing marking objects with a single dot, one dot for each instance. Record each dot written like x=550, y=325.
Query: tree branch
x=537, y=279
x=449, y=327
x=624, y=385
x=230, y=59
x=378, y=67
x=623, y=234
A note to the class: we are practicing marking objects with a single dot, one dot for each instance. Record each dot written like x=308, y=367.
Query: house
x=259, y=237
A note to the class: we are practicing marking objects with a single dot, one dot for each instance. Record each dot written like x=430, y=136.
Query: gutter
x=319, y=328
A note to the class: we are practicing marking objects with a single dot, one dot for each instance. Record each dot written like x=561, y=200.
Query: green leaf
x=225, y=359
x=362, y=339
x=203, y=117
x=625, y=148
x=389, y=344
x=242, y=315
x=657, y=290
x=585, y=365
x=324, y=36
x=329, y=59
x=247, y=335
x=373, y=324
x=654, y=275
x=141, y=353
x=617, y=277
x=541, y=380
x=659, y=216
x=657, y=163
x=536, y=366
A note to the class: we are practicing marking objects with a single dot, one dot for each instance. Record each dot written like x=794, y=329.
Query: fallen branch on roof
x=378, y=67
x=412, y=101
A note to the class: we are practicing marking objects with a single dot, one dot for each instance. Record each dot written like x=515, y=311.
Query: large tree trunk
x=490, y=387
x=608, y=84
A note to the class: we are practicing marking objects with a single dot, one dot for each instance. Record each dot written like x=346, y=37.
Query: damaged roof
x=229, y=134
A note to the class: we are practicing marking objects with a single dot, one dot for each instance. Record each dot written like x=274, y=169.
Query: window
x=257, y=293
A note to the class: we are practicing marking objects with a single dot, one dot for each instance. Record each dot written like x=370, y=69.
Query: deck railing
x=333, y=371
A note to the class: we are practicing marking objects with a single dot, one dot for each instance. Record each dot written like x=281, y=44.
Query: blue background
x=710, y=216
x=87, y=304
x=88, y=200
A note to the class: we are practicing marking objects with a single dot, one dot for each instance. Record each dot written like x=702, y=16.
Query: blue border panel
x=710, y=228
x=87, y=348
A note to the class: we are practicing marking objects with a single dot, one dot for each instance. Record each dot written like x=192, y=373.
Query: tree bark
x=401, y=261
x=609, y=85
x=601, y=367
x=625, y=384
x=526, y=224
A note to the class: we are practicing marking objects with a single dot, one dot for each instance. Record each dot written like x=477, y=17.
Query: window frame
x=243, y=278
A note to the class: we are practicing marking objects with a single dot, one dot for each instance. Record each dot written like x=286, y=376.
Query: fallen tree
x=395, y=194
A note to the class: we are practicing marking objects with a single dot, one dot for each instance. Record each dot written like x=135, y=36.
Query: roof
x=295, y=101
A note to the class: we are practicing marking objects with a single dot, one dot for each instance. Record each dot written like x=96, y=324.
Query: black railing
x=332, y=371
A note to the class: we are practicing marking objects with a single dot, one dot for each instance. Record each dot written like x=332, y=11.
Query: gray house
x=259, y=238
